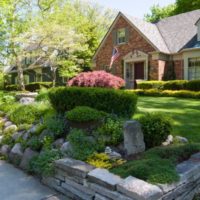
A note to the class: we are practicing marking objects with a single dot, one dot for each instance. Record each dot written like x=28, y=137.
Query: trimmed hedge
x=119, y=102
x=37, y=86
x=170, y=85
x=168, y=93
x=30, y=87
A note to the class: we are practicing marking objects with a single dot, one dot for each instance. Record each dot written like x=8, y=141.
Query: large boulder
x=46, y=133
x=66, y=147
x=11, y=128
x=7, y=123
x=16, y=154
x=17, y=135
x=27, y=100
x=5, y=150
x=58, y=143
x=133, y=138
x=27, y=156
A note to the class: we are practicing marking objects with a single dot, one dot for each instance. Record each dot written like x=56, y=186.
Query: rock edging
x=79, y=180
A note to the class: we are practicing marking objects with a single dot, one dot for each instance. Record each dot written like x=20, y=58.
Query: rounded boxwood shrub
x=84, y=114
x=156, y=128
x=97, y=79
x=119, y=102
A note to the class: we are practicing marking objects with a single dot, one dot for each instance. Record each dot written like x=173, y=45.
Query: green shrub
x=43, y=164
x=56, y=124
x=102, y=160
x=35, y=143
x=84, y=114
x=146, y=85
x=8, y=108
x=11, y=87
x=43, y=95
x=156, y=128
x=119, y=102
x=7, y=139
x=193, y=85
x=168, y=93
x=158, y=165
x=111, y=132
x=27, y=114
x=175, y=85
x=37, y=86
x=82, y=145
x=39, y=129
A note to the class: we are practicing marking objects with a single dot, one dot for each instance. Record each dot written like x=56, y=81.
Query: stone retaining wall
x=78, y=180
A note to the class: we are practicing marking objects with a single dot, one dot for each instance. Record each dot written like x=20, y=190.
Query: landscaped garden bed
x=88, y=127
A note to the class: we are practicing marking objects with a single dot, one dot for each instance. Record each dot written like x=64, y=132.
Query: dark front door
x=139, y=70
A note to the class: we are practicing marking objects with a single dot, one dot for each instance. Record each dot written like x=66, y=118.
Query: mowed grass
x=185, y=114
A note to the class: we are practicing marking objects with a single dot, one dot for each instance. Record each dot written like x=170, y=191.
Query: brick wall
x=136, y=42
x=179, y=69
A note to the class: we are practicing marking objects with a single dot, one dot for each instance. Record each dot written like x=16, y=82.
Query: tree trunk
x=20, y=74
x=53, y=77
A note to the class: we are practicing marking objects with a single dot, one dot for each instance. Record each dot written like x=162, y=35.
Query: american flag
x=115, y=55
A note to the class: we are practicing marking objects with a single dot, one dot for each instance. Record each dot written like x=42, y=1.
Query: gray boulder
x=133, y=137
x=58, y=143
x=112, y=154
x=27, y=100
x=26, y=135
x=66, y=147
x=5, y=150
x=7, y=123
x=181, y=139
x=17, y=135
x=27, y=156
x=16, y=154
x=11, y=128
x=45, y=133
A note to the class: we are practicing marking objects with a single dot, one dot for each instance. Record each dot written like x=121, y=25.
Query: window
x=121, y=36
x=194, y=69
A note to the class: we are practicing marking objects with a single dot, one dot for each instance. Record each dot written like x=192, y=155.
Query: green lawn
x=185, y=114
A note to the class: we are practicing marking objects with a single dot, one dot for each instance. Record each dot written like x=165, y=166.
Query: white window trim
x=119, y=43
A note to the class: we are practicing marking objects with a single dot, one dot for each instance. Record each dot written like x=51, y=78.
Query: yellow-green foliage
x=102, y=160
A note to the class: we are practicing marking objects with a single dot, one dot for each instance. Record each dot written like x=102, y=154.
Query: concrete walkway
x=16, y=185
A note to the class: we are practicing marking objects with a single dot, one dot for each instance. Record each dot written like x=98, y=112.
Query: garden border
x=79, y=180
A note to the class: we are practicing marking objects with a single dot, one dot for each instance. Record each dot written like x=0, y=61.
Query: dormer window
x=121, y=36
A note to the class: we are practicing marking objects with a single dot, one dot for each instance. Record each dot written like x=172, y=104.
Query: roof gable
x=178, y=31
x=169, y=35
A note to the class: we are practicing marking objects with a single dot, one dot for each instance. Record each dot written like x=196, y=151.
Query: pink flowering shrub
x=97, y=79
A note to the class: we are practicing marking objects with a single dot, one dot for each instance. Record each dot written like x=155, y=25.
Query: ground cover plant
x=157, y=165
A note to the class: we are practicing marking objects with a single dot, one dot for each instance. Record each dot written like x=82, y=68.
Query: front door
x=134, y=71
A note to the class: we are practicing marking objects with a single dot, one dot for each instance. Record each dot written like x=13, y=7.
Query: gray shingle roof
x=172, y=34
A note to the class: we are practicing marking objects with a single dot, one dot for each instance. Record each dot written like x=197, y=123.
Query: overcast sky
x=135, y=8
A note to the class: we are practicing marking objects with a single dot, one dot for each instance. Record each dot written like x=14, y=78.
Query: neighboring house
x=148, y=51
x=35, y=69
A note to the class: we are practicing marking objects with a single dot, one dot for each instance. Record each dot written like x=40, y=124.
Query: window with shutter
x=121, y=36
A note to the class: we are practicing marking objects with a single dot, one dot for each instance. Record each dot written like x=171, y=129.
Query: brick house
x=152, y=51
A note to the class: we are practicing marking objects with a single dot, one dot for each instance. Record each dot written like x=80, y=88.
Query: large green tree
x=180, y=6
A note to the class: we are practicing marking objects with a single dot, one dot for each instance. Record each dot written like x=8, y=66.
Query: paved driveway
x=16, y=185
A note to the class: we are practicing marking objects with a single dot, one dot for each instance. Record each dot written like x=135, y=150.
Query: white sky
x=135, y=8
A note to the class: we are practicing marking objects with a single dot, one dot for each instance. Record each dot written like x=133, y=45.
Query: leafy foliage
x=111, y=132
x=43, y=164
x=156, y=127
x=97, y=79
x=102, y=160
x=82, y=145
x=84, y=114
x=119, y=102
x=157, y=165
